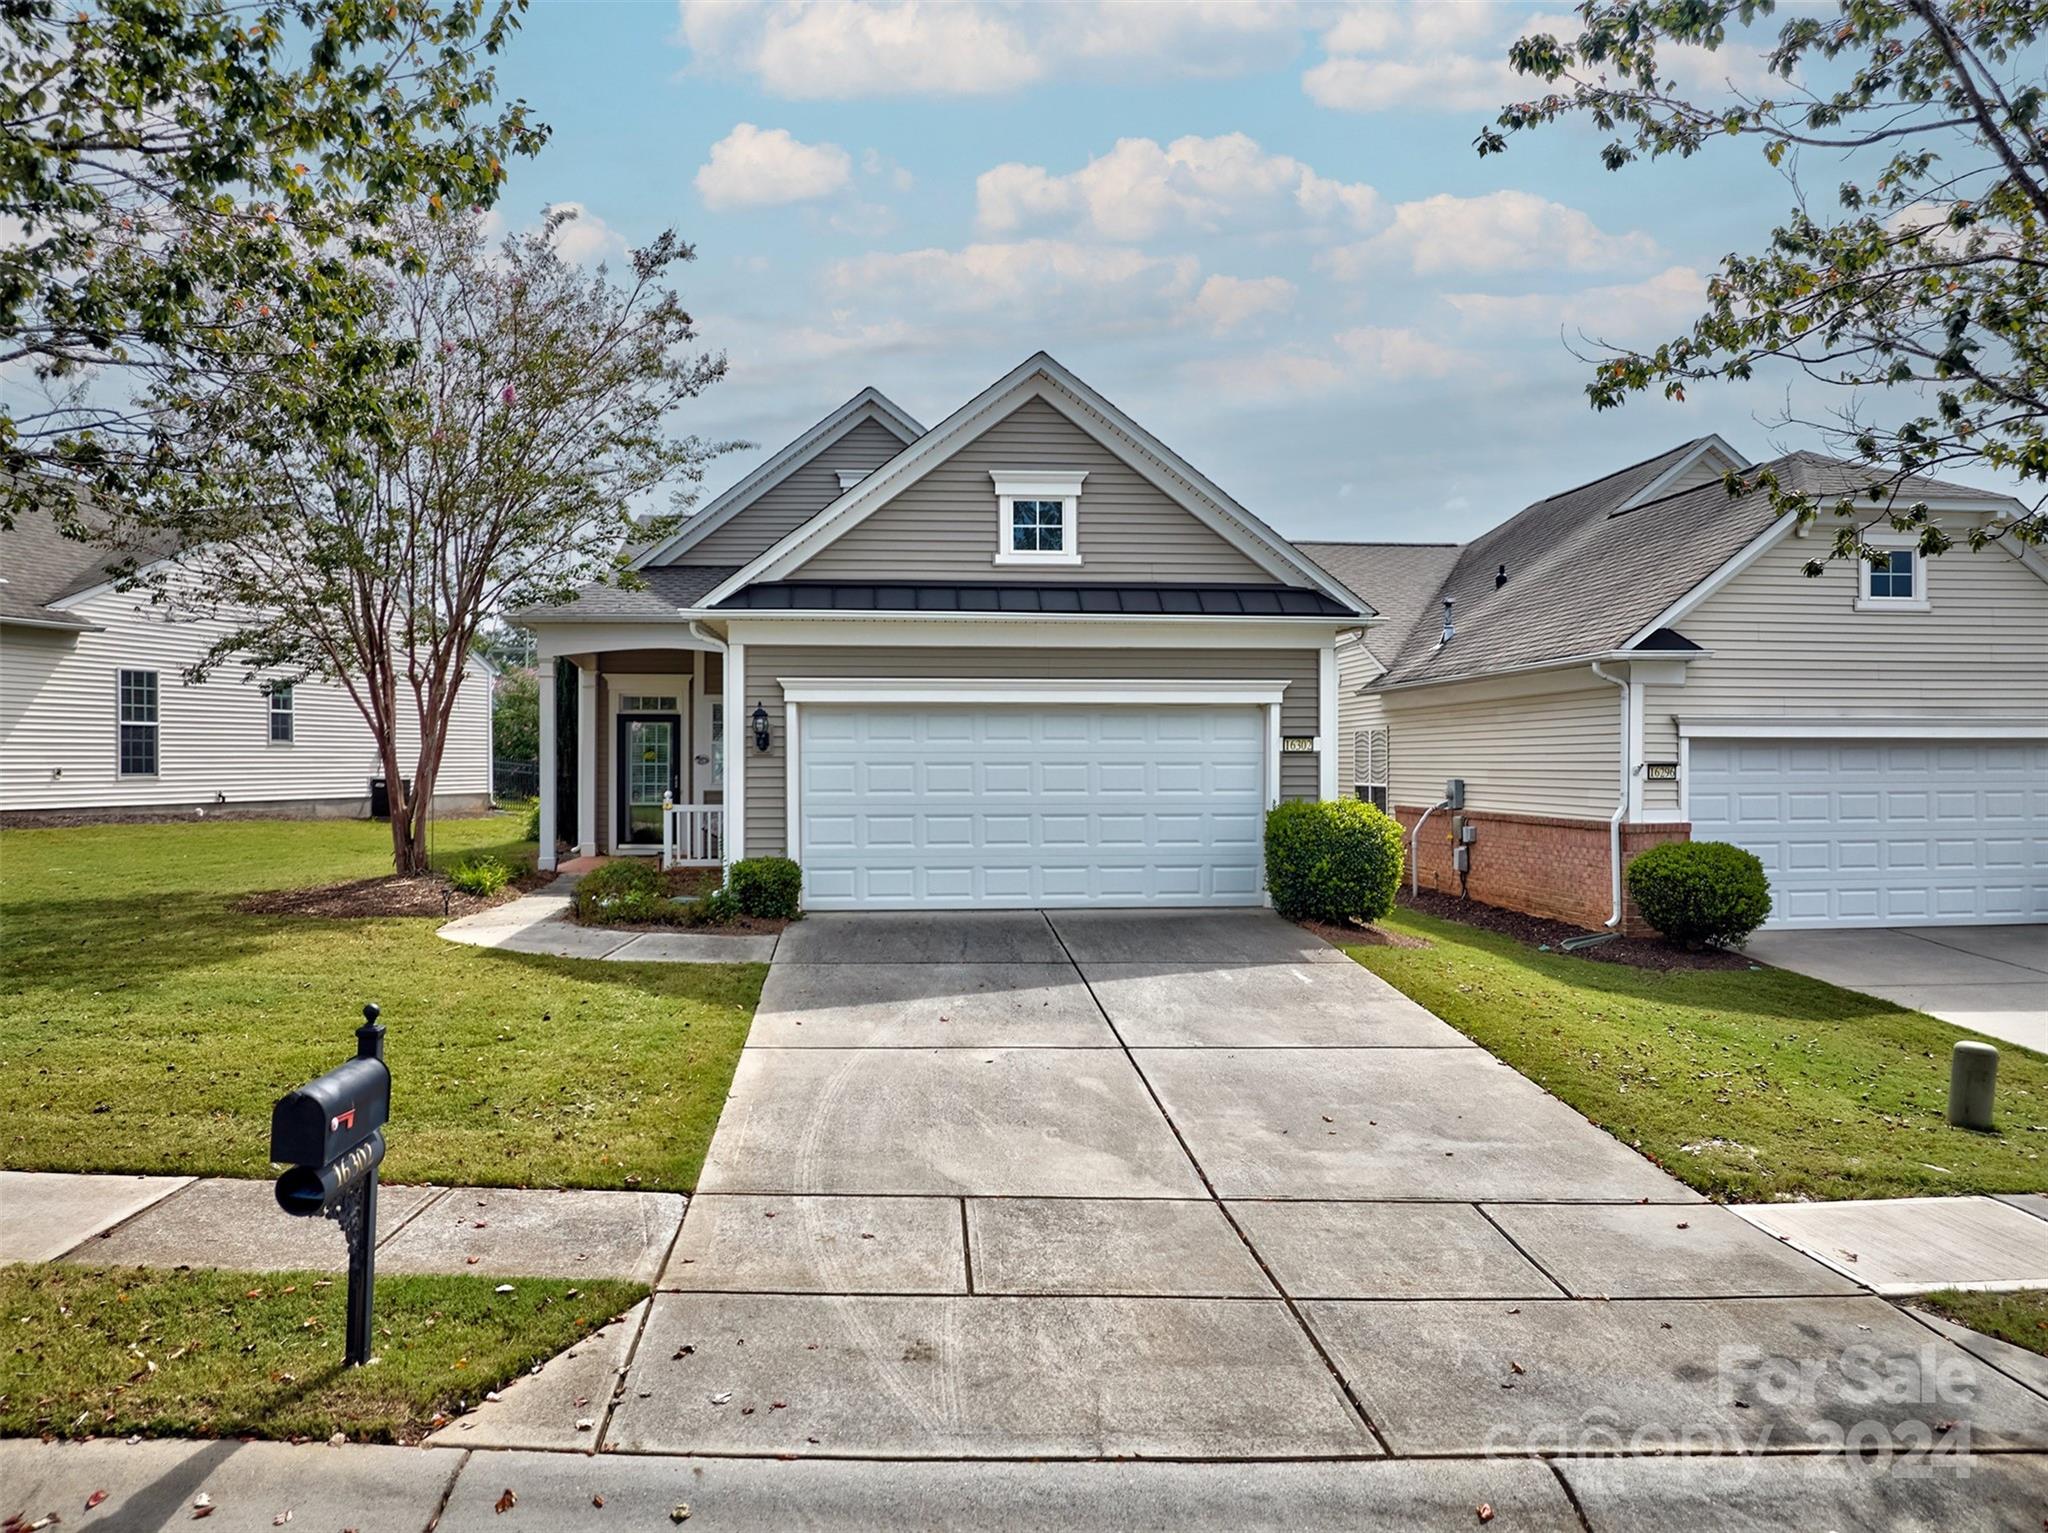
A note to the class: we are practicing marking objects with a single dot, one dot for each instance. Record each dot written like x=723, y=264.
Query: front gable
x=791, y=486
x=946, y=527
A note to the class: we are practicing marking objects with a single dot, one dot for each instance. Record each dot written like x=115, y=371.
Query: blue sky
x=1260, y=228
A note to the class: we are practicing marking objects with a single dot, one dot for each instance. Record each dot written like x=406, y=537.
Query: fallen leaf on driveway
x=95, y=1499
x=598, y=1499
x=507, y=1501
x=1483, y=1511
x=721, y=1397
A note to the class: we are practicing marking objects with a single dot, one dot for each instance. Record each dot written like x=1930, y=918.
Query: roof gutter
x=1594, y=658
x=39, y=622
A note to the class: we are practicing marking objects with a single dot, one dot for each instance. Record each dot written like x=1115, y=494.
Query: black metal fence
x=515, y=779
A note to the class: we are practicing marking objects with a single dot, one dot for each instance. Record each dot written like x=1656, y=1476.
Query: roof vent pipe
x=1500, y=577
x=1450, y=628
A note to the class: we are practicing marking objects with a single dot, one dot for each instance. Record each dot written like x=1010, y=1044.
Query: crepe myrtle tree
x=1917, y=287
x=495, y=463
x=174, y=173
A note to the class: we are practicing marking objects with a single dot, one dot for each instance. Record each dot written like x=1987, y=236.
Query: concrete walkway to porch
x=539, y=923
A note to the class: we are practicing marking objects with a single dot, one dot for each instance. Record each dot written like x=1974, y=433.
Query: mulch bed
x=1635, y=952
x=391, y=895
x=1364, y=936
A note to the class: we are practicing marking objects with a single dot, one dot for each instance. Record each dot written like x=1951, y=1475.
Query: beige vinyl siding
x=58, y=724
x=1355, y=712
x=1785, y=646
x=1548, y=743
x=767, y=780
x=784, y=507
x=943, y=527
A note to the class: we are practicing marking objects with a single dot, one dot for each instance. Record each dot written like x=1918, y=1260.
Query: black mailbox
x=331, y=1133
x=326, y=1118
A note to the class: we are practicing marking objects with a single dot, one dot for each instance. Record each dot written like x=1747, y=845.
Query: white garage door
x=1024, y=806
x=1882, y=832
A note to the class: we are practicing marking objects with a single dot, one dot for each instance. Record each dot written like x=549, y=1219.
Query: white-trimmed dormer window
x=1899, y=584
x=1038, y=516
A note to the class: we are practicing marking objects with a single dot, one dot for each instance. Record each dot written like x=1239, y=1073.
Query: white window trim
x=849, y=477
x=1013, y=485
x=155, y=725
x=1889, y=541
x=289, y=711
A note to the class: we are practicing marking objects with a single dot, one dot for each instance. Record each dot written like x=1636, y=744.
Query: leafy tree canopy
x=524, y=408
x=176, y=175
x=1927, y=276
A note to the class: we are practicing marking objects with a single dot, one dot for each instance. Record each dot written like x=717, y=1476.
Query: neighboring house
x=97, y=720
x=1643, y=659
x=1027, y=657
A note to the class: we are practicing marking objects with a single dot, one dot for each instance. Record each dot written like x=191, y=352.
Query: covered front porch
x=641, y=751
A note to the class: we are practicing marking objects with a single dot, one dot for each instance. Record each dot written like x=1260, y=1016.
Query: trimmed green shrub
x=626, y=890
x=1700, y=891
x=768, y=888
x=531, y=820
x=1338, y=860
x=482, y=874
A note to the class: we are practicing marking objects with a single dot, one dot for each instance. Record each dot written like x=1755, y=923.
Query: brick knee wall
x=1541, y=865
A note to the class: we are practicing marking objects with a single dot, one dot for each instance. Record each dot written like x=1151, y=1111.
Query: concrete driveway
x=1110, y=1186
x=1993, y=979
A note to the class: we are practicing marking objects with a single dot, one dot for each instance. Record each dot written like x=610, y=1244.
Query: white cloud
x=847, y=49
x=1224, y=303
x=1361, y=357
x=874, y=163
x=1140, y=189
x=1016, y=276
x=1394, y=354
x=1656, y=306
x=754, y=167
x=1500, y=231
x=1448, y=55
x=583, y=237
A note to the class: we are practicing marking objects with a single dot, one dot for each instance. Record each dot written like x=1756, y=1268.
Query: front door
x=650, y=765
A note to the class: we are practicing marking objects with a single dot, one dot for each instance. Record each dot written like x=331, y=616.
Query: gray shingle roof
x=1585, y=575
x=39, y=565
x=669, y=588
x=1398, y=579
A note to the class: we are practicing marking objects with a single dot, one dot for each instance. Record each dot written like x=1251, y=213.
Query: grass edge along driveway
x=1749, y=1085
x=105, y=1352
x=147, y=1026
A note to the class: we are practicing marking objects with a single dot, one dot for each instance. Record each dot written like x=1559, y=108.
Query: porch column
x=586, y=757
x=546, y=670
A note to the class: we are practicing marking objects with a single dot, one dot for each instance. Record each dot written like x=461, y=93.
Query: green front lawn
x=2020, y=1318
x=1750, y=1085
x=93, y=1353
x=147, y=1026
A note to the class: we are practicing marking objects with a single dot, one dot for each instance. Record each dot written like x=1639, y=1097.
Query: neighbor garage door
x=1882, y=832
x=950, y=806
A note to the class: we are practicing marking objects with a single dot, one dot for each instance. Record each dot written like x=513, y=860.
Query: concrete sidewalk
x=1902, y=1246
x=118, y=1221
x=152, y=1487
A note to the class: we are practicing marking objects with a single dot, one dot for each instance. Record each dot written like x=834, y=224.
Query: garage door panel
x=1030, y=805
x=1882, y=833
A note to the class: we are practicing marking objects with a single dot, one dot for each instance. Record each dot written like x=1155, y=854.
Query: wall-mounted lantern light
x=760, y=722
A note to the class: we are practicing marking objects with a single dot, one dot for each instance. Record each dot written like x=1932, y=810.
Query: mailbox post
x=331, y=1133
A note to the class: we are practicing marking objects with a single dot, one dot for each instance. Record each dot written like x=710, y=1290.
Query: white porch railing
x=692, y=835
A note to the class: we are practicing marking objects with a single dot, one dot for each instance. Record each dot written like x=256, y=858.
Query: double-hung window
x=281, y=713
x=136, y=704
x=1038, y=516
x=1896, y=581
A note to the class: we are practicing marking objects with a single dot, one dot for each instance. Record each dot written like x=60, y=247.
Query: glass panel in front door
x=650, y=772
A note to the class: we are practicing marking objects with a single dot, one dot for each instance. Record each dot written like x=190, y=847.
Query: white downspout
x=1621, y=806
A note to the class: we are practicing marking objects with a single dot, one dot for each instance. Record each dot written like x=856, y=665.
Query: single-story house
x=97, y=720
x=1027, y=657
x=1643, y=659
